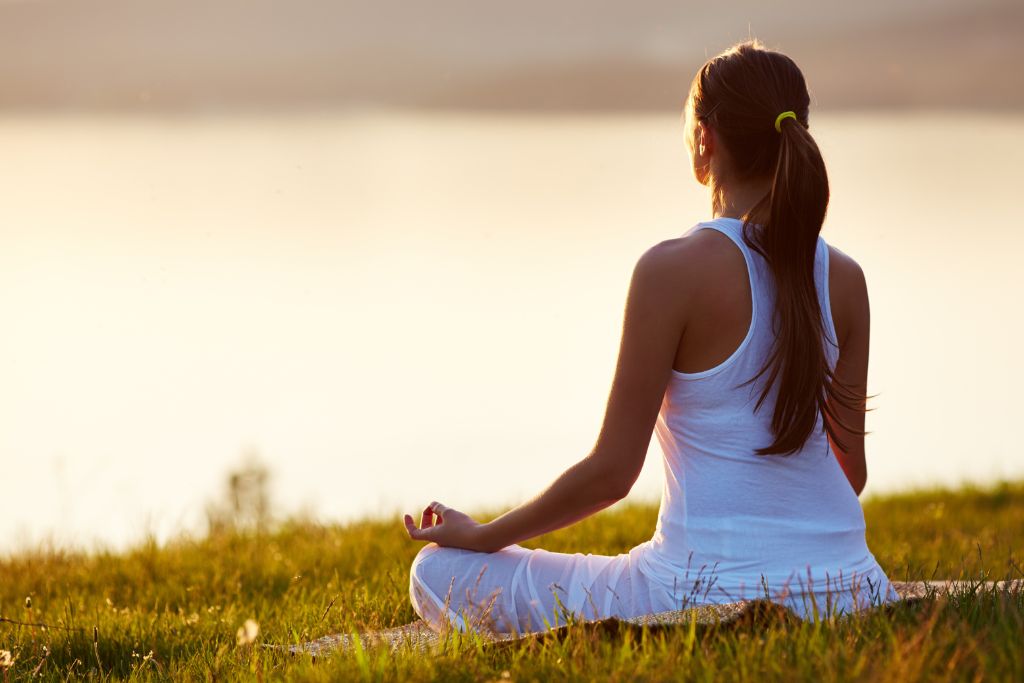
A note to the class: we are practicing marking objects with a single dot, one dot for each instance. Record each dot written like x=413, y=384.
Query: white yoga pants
x=516, y=590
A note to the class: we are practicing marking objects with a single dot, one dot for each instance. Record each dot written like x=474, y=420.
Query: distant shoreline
x=316, y=109
x=175, y=54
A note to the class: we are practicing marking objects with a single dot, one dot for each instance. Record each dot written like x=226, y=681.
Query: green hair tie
x=783, y=115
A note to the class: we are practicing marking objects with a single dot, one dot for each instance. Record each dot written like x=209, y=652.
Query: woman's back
x=735, y=521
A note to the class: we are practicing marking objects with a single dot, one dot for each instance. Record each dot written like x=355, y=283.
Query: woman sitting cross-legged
x=745, y=349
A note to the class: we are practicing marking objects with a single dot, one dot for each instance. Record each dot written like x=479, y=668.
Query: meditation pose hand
x=447, y=527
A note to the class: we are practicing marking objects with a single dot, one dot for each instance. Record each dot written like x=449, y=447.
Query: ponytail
x=745, y=89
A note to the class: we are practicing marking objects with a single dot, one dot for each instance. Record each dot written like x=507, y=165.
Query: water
x=393, y=307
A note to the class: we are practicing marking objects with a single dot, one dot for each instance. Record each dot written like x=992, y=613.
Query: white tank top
x=750, y=520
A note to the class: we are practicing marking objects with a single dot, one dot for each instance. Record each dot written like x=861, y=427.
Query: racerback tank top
x=744, y=523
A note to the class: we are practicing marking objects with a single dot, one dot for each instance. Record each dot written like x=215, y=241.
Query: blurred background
x=364, y=254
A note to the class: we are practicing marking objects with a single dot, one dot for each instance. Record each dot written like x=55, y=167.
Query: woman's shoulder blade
x=694, y=251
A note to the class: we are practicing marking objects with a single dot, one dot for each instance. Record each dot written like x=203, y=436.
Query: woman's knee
x=423, y=584
x=422, y=561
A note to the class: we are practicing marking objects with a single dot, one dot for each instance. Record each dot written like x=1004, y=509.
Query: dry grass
x=173, y=612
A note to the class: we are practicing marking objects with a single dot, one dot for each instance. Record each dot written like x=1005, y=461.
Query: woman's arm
x=651, y=330
x=853, y=329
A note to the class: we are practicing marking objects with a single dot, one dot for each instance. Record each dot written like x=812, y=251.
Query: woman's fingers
x=427, y=518
x=410, y=526
x=430, y=520
x=439, y=510
x=427, y=533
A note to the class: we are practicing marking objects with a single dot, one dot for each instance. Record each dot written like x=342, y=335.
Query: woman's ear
x=705, y=140
x=704, y=146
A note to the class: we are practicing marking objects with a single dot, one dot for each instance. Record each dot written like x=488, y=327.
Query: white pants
x=516, y=590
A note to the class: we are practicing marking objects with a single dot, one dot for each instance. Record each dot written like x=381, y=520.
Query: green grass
x=184, y=601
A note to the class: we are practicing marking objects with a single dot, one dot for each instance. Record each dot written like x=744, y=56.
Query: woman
x=745, y=349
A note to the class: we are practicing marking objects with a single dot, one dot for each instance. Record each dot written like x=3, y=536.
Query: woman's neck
x=737, y=199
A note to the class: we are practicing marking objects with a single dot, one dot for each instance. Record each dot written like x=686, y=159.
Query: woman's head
x=737, y=138
x=731, y=112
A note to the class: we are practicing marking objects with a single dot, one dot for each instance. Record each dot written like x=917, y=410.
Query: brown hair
x=740, y=93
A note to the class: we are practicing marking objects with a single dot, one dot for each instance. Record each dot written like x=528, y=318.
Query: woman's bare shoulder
x=689, y=255
x=848, y=293
x=677, y=274
x=845, y=273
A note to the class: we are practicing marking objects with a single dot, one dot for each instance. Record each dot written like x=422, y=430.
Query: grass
x=171, y=612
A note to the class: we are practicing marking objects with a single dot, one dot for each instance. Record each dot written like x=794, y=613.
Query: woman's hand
x=447, y=526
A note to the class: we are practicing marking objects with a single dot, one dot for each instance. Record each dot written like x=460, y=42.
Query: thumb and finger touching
x=427, y=518
x=432, y=516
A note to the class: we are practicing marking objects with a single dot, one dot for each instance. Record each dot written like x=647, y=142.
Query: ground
x=174, y=611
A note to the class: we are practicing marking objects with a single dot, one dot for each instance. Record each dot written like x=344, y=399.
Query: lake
x=391, y=307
